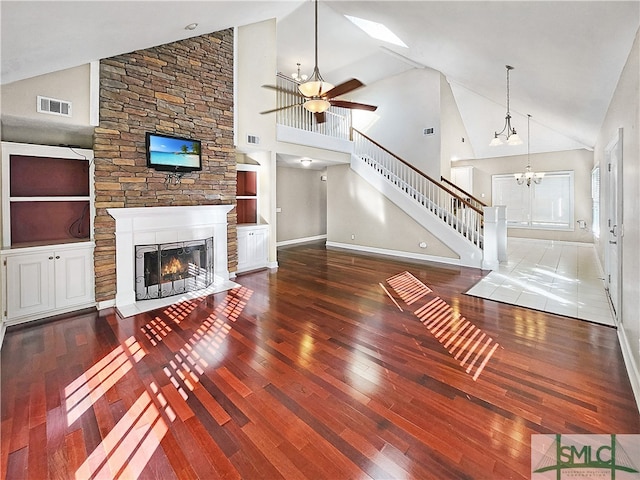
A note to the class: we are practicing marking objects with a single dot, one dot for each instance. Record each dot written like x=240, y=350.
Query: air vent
x=253, y=139
x=54, y=106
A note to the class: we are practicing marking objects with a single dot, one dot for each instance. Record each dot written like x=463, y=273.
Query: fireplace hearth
x=178, y=225
x=168, y=269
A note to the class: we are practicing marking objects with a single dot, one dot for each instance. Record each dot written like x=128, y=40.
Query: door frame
x=615, y=227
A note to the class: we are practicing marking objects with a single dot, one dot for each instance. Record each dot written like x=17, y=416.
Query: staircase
x=458, y=221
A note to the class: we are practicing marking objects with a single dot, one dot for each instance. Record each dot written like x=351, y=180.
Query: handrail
x=462, y=190
x=419, y=172
x=374, y=161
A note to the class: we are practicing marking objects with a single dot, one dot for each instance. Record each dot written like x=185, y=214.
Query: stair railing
x=451, y=208
x=463, y=193
x=337, y=119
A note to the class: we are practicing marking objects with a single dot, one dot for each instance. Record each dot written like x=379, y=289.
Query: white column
x=502, y=233
x=490, y=239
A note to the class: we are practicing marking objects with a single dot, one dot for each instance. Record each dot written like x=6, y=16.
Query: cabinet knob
x=50, y=258
x=57, y=257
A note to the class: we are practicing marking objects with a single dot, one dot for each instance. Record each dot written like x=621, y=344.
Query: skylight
x=377, y=31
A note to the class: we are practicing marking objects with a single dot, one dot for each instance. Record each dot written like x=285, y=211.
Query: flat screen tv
x=173, y=154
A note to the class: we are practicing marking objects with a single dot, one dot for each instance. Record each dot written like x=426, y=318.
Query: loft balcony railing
x=338, y=120
x=454, y=210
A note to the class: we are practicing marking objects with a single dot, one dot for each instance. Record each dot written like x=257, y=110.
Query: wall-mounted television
x=173, y=154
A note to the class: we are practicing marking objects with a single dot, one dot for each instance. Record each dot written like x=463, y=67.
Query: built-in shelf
x=247, y=194
x=47, y=223
x=47, y=194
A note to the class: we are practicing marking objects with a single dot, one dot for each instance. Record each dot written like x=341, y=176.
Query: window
x=595, y=201
x=547, y=205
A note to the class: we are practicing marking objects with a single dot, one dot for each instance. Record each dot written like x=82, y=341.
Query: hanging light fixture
x=528, y=176
x=297, y=77
x=508, y=132
x=315, y=87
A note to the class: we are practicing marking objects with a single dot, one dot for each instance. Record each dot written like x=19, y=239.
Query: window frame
x=529, y=202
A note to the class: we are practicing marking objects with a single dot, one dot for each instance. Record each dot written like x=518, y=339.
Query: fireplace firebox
x=167, y=269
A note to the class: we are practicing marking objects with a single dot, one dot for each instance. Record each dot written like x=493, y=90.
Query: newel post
x=490, y=239
x=502, y=233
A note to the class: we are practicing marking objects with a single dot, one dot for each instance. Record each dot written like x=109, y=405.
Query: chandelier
x=528, y=176
x=508, y=132
x=297, y=77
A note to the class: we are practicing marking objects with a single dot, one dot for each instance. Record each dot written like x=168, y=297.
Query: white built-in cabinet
x=47, y=228
x=253, y=247
x=253, y=237
x=46, y=281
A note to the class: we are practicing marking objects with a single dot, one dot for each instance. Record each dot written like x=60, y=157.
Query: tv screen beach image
x=174, y=151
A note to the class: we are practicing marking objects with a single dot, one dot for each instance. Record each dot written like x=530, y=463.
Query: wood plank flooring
x=337, y=366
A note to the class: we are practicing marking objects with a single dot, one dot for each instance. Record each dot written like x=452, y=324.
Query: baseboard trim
x=106, y=304
x=301, y=240
x=632, y=368
x=3, y=330
x=399, y=253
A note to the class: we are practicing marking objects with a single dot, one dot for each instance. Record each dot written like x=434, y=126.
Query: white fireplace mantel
x=156, y=225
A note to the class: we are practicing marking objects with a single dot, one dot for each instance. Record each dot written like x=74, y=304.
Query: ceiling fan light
x=317, y=105
x=314, y=88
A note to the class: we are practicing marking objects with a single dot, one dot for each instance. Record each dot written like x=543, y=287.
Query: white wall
x=624, y=112
x=580, y=161
x=302, y=200
x=355, y=208
x=455, y=143
x=407, y=103
x=21, y=121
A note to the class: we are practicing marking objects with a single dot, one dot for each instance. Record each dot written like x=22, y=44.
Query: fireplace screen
x=173, y=268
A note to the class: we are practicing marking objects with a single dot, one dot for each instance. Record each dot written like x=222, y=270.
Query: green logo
x=584, y=456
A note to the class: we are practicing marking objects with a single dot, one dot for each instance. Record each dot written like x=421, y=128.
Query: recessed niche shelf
x=48, y=194
x=247, y=195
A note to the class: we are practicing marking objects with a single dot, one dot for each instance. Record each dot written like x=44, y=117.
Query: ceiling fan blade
x=281, y=108
x=343, y=88
x=320, y=117
x=353, y=105
x=284, y=90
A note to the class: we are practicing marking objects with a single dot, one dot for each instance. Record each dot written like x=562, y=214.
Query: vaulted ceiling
x=568, y=56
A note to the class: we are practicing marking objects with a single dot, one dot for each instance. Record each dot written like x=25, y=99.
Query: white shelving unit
x=47, y=228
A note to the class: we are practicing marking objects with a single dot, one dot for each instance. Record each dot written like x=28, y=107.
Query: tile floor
x=555, y=277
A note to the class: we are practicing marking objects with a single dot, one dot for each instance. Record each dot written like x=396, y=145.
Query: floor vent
x=54, y=106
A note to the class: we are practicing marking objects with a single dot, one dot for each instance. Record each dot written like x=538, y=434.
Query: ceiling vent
x=54, y=106
x=253, y=139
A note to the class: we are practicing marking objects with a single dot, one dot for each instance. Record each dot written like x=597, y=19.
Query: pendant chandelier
x=508, y=132
x=528, y=176
x=297, y=77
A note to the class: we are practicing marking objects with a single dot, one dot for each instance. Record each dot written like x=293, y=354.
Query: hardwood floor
x=338, y=365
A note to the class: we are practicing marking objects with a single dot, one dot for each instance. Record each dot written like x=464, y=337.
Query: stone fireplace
x=166, y=253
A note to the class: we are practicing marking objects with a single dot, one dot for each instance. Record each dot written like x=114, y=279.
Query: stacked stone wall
x=184, y=89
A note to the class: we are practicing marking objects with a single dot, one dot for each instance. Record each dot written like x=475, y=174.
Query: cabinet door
x=259, y=247
x=30, y=284
x=74, y=277
x=243, y=248
x=252, y=248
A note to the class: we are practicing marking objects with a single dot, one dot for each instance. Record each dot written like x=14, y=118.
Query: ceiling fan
x=317, y=95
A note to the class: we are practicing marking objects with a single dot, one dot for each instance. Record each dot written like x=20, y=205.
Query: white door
x=613, y=248
x=463, y=178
